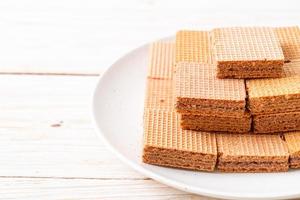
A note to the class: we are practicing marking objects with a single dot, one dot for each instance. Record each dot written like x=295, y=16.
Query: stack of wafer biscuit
x=165, y=142
x=214, y=97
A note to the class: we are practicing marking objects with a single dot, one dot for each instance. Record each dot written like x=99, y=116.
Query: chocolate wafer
x=251, y=153
x=247, y=52
x=208, y=103
x=278, y=122
x=193, y=46
x=198, y=90
x=293, y=143
x=275, y=95
x=202, y=122
x=166, y=144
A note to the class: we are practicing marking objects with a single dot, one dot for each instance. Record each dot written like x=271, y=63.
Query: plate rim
x=139, y=168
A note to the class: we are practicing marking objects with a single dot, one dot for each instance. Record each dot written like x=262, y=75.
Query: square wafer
x=276, y=95
x=289, y=39
x=166, y=144
x=161, y=60
x=193, y=46
x=251, y=153
x=293, y=143
x=247, y=52
x=198, y=90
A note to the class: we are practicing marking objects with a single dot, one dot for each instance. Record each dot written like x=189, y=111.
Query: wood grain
x=46, y=130
x=75, y=189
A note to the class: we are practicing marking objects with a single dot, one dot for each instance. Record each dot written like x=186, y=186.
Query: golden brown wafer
x=276, y=122
x=185, y=149
x=293, y=143
x=199, y=90
x=247, y=52
x=276, y=95
x=251, y=153
x=217, y=123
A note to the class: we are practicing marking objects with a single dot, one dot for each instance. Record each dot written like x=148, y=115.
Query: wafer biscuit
x=166, y=144
x=274, y=123
x=293, y=143
x=247, y=52
x=161, y=60
x=204, y=122
x=197, y=90
x=251, y=153
x=289, y=39
x=275, y=95
x=193, y=46
x=278, y=122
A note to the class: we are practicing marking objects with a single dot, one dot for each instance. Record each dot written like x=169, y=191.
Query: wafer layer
x=217, y=123
x=251, y=153
x=289, y=39
x=275, y=95
x=193, y=46
x=251, y=147
x=243, y=52
x=236, y=72
x=293, y=143
x=235, y=167
x=161, y=60
x=198, y=90
x=280, y=122
x=184, y=149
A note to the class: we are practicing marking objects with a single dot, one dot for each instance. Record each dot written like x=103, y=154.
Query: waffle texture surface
x=289, y=39
x=161, y=60
x=199, y=81
x=193, y=46
x=246, y=44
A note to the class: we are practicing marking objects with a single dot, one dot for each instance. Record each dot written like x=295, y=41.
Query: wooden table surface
x=51, y=53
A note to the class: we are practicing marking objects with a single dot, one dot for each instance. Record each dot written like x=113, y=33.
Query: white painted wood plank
x=85, y=37
x=46, y=130
x=29, y=188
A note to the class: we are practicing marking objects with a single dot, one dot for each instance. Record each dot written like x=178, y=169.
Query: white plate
x=118, y=110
